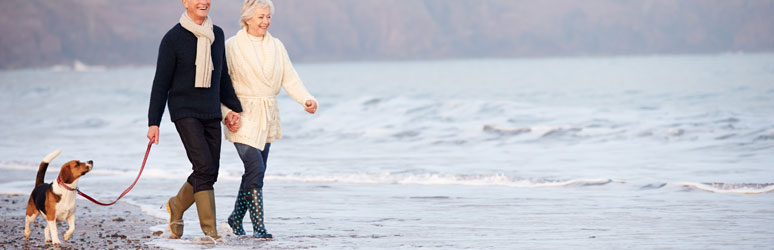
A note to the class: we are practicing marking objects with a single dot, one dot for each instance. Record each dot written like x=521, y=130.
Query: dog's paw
x=68, y=235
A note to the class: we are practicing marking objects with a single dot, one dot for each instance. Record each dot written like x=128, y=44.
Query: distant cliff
x=42, y=33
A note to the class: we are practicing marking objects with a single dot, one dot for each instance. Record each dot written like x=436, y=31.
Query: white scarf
x=205, y=37
x=254, y=70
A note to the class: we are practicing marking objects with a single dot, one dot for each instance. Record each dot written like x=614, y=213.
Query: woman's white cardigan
x=257, y=85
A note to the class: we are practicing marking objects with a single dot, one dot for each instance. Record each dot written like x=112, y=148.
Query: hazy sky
x=44, y=32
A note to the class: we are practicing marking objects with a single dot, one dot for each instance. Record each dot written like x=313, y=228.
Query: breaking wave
x=746, y=188
x=440, y=179
x=500, y=180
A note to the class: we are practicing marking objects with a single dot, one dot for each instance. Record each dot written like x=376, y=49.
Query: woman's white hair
x=248, y=10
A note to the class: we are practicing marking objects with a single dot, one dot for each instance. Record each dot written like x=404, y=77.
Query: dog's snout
x=90, y=164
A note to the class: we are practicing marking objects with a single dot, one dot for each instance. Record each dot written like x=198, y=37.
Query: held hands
x=310, y=106
x=153, y=132
x=233, y=121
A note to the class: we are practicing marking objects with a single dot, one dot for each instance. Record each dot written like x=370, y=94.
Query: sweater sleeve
x=228, y=96
x=291, y=82
x=229, y=68
x=162, y=82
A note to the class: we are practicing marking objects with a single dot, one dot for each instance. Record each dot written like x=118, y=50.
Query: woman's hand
x=153, y=132
x=310, y=106
x=233, y=121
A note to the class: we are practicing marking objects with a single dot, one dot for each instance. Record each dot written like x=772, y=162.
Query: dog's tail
x=44, y=166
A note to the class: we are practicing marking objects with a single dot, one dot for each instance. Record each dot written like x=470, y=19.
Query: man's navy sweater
x=175, y=77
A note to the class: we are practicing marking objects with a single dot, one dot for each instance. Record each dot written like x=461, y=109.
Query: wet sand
x=121, y=226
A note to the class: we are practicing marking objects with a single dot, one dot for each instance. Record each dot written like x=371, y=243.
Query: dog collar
x=61, y=183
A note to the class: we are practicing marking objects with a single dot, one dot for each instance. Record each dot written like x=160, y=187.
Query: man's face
x=197, y=9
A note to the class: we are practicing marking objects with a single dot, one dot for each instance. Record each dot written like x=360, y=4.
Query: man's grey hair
x=248, y=10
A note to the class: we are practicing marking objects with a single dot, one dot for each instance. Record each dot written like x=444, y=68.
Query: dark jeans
x=201, y=139
x=255, y=165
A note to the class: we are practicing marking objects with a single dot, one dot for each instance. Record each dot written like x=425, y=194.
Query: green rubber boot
x=176, y=206
x=205, y=207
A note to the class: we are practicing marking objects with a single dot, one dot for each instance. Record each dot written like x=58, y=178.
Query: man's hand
x=153, y=133
x=233, y=121
x=310, y=106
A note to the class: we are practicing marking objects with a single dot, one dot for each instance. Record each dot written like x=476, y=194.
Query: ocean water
x=652, y=152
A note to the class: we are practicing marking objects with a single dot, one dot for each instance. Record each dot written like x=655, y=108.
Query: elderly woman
x=259, y=65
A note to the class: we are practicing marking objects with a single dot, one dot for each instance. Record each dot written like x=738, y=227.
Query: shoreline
x=121, y=226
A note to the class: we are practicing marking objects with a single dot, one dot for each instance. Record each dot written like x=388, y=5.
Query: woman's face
x=259, y=23
x=197, y=9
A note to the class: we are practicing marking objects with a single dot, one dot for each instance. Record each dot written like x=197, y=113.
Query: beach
x=642, y=152
x=121, y=226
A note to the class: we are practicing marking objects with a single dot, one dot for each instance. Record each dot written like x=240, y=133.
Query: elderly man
x=192, y=77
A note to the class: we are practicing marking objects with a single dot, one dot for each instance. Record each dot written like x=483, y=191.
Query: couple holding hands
x=206, y=81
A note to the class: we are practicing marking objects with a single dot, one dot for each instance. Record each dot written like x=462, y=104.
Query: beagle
x=56, y=200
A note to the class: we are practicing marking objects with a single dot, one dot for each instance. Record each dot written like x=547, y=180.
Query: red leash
x=147, y=151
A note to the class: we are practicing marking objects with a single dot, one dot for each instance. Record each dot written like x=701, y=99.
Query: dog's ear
x=66, y=173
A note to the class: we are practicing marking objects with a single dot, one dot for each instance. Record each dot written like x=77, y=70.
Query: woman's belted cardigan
x=257, y=82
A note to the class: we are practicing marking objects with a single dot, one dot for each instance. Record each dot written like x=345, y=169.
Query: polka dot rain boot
x=240, y=208
x=254, y=200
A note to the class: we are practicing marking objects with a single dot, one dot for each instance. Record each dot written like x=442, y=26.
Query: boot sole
x=169, y=223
